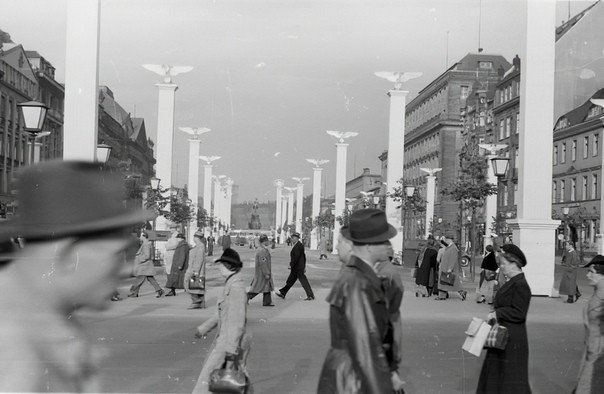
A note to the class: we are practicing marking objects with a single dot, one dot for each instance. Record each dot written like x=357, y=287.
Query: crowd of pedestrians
x=80, y=245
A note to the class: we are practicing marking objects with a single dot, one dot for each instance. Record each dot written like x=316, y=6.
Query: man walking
x=297, y=266
x=211, y=241
x=361, y=331
x=144, y=269
x=263, y=280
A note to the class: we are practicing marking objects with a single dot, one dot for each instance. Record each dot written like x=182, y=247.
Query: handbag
x=476, y=336
x=447, y=278
x=197, y=282
x=229, y=380
x=497, y=338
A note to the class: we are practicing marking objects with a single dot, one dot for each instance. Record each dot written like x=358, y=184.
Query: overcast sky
x=270, y=77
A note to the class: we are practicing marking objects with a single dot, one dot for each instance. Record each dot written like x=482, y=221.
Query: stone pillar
x=80, y=127
x=299, y=202
x=430, y=197
x=278, y=202
x=316, y=201
x=217, y=202
x=396, y=147
x=341, y=152
x=534, y=230
x=193, y=184
x=284, y=231
x=165, y=132
x=290, y=205
x=207, y=193
x=228, y=201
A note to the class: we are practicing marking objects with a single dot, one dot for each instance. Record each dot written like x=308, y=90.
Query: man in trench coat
x=263, y=278
x=357, y=361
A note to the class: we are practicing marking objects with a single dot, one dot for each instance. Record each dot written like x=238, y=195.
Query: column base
x=314, y=242
x=537, y=239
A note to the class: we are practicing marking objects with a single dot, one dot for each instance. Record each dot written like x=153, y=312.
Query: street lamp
x=34, y=115
x=500, y=166
x=155, y=183
x=376, y=201
x=565, y=212
x=103, y=151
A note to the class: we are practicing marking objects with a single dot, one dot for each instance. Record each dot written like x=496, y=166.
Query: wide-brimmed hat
x=368, y=226
x=598, y=259
x=65, y=198
x=230, y=256
x=295, y=235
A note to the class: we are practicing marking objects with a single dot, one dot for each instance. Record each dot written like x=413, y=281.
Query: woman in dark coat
x=426, y=272
x=506, y=371
x=180, y=263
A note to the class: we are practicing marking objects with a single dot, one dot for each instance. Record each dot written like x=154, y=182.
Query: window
x=585, y=147
x=584, y=188
x=485, y=65
x=573, y=151
x=555, y=154
x=501, y=129
x=563, y=153
x=508, y=127
x=562, y=190
x=573, y=189
x=594, y=186
x=517, y=122
x=594, y=146
x=465, y=91
x=554, y=191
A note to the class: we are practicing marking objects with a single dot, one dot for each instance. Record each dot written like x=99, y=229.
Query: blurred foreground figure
x=75, y=228
x=361, y=330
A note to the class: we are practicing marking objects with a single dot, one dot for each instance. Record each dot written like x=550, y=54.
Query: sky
x=270, y=77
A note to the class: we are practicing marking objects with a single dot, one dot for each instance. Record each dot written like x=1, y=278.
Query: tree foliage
x=414, y=203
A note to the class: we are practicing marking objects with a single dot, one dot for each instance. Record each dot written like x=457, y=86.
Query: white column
x=193, y=184
x=316, y=200
x=284, y=231
x=534, y=230
x=299, y=201
x=81, y=80
x=341, y=151
x=430, y=197
x=290, y=204
x=278, y=222
x=396, y=147
x=228, y=199
x=165, y=132
x=217, y=200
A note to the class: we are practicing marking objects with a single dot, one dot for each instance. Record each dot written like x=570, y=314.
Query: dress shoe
x=577, y=296
x=160, y=293
x=194, y=306
x=570, y=300
x=311, y=298
x=481, y=300
x=278, y=294
x=463, y=294
x=171, y=293
x=116, y=298
x=133, y=295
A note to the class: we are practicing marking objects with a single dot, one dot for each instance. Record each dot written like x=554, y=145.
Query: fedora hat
x=65, y=198
x=230, y=256
x=296, y=235
x=368, y=226
x=598, y=259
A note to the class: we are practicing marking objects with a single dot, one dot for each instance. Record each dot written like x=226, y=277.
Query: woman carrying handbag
x=196, y=270
x=228, y=355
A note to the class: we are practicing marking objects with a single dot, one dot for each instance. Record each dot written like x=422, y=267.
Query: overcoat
x=263, y=279
x=427, y=266
x=570, y=263
x=591, y=375
x=506, y=371
x=143, y=264
x=449, y=262
x=171, y=245
x=225, y=241
x=197, y=264
x=180, y=263
x=358, y=322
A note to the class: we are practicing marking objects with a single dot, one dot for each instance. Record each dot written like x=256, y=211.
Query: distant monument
x=254, y=223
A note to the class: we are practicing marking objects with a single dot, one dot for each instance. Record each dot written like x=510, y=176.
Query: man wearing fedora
x=76, y=229
x=297, y=267
x=360, y=324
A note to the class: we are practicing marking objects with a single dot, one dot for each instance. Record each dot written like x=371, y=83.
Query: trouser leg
x=154, y=283
x=291, y=279
x=305, y=285
x=138, y=282
x=266, y=298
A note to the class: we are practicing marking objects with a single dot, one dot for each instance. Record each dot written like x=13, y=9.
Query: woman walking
x=591, y=375
x=197, y=265
x=506, y=371
x=231, y=343
x=568, y=283
x=426, y=271
x=180, y=262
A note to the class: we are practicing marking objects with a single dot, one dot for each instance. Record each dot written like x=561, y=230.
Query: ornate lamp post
x=34, y=115
x=103, y=151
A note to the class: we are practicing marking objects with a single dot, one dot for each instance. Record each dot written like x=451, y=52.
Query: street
x=150, y=345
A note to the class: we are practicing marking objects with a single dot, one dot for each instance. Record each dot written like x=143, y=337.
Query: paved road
x=151, y=348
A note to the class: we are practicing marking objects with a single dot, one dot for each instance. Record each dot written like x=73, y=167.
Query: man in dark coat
x=180, y=263
x=426, y=272
x=297, y=267
x=357, y=361
x=211, y=241
x=263, y=279
x=226, y=241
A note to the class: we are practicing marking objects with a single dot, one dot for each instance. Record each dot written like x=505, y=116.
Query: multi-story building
x=577, y=172
x=433, y=128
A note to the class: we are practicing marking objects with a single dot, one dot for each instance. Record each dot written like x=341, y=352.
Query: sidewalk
x=151, y=347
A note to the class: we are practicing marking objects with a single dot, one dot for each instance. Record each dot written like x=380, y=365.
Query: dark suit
x=297, y=266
